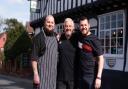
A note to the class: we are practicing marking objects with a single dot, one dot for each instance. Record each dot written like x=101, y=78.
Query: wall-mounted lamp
x=35, y=6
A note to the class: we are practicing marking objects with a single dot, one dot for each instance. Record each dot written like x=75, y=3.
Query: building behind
x=109, y=21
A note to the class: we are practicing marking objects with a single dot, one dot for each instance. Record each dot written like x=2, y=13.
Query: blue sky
x=18, y=9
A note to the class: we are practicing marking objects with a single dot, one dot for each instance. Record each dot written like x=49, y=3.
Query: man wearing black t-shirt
x=91, y=57
x=67, y=57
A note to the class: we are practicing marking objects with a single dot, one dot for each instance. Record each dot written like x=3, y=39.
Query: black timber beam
x=90, y=10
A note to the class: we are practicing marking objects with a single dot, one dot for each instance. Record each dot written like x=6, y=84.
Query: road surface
x=9, y=82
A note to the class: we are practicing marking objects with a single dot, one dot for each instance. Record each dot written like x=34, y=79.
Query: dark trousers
x=65, y=85
x=86, y=84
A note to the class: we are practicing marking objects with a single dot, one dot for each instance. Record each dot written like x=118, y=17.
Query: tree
x=17, y=39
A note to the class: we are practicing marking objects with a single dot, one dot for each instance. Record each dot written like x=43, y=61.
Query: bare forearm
x=100, y=65
x=34, y=67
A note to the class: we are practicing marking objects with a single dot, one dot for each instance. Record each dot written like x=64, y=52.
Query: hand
x=97, y=83
x=36, y=79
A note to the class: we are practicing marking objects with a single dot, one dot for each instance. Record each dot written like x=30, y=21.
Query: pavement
x=18, y=79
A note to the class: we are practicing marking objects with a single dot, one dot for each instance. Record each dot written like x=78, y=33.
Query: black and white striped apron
x=48, y=64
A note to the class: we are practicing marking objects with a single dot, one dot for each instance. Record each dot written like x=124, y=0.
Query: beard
x=49, y=32
x=68, y=34
x=85, y=32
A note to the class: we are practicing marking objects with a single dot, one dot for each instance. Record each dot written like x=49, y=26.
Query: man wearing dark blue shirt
x=91, y=57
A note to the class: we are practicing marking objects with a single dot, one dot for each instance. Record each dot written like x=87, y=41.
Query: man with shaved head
x=44, y=56
x=67, y=57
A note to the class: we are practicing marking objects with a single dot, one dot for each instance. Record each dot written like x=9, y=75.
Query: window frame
x=110, y=30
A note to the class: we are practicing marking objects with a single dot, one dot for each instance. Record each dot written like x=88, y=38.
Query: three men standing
x=90, y=57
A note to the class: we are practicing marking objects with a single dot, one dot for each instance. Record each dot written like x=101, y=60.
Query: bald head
x=49, y=17
x=49, y=23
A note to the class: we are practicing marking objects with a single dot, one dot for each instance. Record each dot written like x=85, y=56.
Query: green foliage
x=17, y=39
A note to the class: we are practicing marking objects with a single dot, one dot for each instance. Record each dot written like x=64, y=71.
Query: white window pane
x=107, y=38
x=113, y=17
x=107, y=19
x=120, y=33
x=102, y=42
x=102, y=20
x=107, y=25
x=113, y=50
x=107, y=50
x=120, y=23
x=120, y=16
x=102, y=34
x=113, y=33
x=102, y=26
x=113, y=24
x=120, y=42
x=120, y=50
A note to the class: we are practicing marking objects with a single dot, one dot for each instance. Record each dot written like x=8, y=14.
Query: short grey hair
x=69, y=19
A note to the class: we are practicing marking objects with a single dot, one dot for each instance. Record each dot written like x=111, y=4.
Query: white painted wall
x=55, y=6
x=65, y=6
x=74, y=3
x=118, y=63
x=78, y=2
x=93, y=22
x=89, y=1
x=62, y=3
x=83, y=2
x=69, y=4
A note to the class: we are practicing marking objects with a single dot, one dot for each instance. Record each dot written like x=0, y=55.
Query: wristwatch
x=98, y=78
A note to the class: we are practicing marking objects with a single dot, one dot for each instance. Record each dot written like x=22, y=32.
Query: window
x=111, y=32
x=59, y=28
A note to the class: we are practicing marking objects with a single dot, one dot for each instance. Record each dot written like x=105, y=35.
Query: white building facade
x=108, y=19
